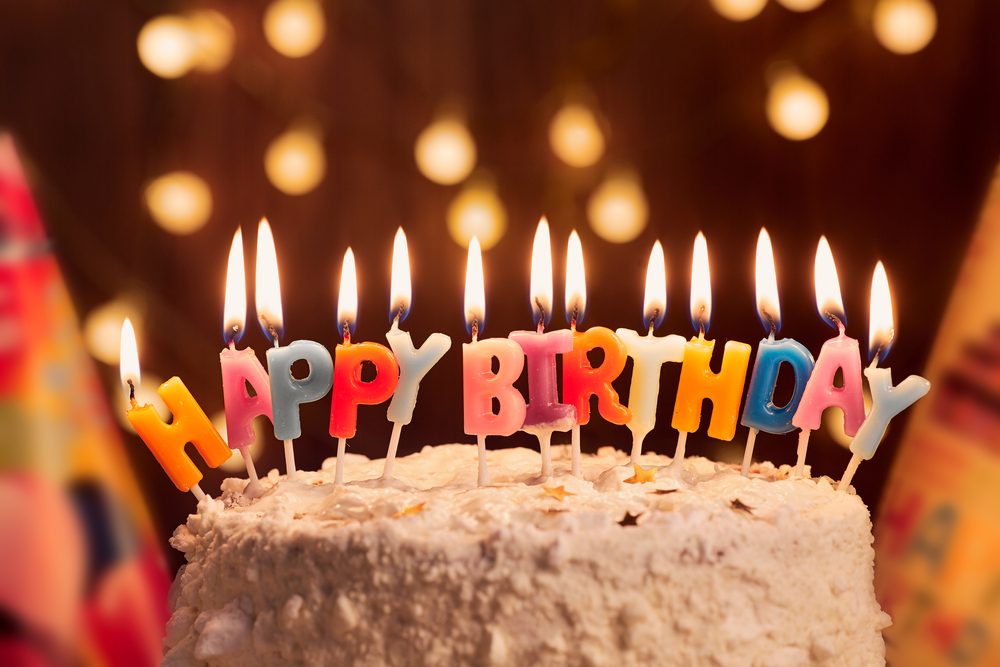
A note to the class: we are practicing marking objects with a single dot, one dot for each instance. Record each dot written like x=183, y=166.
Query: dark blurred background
x=668, y=117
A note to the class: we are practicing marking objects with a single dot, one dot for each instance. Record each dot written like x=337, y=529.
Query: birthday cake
x=625, y=566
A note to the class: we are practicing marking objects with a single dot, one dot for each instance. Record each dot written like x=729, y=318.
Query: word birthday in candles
x=492, y=403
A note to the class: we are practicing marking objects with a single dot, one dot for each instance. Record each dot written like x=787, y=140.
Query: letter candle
x=414, y=363
x=544, y=413
x=480, y=385
x=760, y=413
x=649, y=352
x=287, y=392
x=241, y=367
x=841, y=352
x=580, y=379
x=167, y=441
x=887, y=400
x=697, y=382
x=349, y=390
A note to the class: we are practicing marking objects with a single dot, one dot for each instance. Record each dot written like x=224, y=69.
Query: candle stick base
x=682, y=437
x=637, y=440
x=289, y=459
x=390, y=456
x=198, y=493
x=852, y=468
x=800, y=464
x=341, y=453
x=253, y=487
x=545, y=446
x=575, y=450
x=484, y=472
x=748, y=452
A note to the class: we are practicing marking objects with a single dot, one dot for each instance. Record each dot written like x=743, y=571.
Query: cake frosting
x=658, y=565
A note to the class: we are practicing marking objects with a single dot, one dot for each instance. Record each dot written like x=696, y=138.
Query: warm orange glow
x=797, y=106
x=475, y=290
x=768, y=307
x=128, y=364
x=576, y=280
x=541, y=274
x=347, y=301
x=167, y=46
x=213, y=36
x=617, y=209
x=575, y=136
x=267, y=290
x=904, y=26
x=701, y=285
x=234, y=313
x=738, y=10
x=179, y=202
x=400, y=290
x=828, y=299
x=881, y=322
x=477, y=211
x=800, y=5
x=295, y=162
x=294, y=28
x=103, y=325
x=654, y=306
x=445, y=151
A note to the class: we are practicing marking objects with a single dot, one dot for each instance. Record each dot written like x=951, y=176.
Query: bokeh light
x=617, y=209
x=738, y=10
x=294, y=28
x=575, y=136
x=904, y=26
x=102, y=329
x=477, y=211
x=213, y=37
x=295, y=162
x=179, y=201
x=235, y=462
x=800, y=5
x=167, y=47
x=445, y=151
x=797, y=107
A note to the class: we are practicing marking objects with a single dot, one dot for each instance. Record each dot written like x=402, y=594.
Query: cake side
x=703, y=567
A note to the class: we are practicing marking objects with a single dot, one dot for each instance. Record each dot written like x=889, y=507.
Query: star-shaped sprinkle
x=318, y=482
x=557, y=492
x=740, y=506
x=411, y=510
x=554, y=510
x=641, y=475
x=630, y=519
x=663, y=492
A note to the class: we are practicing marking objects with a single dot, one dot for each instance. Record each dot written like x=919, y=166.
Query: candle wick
x=131, y=392
x=347, y=331
x=652, y=325
x=475, y=330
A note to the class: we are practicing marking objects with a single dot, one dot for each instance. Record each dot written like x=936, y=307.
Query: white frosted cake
x=700, y=567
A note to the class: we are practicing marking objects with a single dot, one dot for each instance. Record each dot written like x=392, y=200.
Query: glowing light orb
x=800, y=5
x=102, y=329
x=295, y=28
x=445, y=152
x=167, y=47
x=477, y=211
x=213, y=37
x=797, y=107
x=295, y=162
x=180, y=202
x=738, y=10
x=904, y=26
x=575, y=136
x=617, y=209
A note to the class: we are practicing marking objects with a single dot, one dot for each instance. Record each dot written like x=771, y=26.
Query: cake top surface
x=435, y=490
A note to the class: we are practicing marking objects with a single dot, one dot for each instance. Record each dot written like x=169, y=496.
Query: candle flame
x=768, y=308
x=828, y=299
x=267, y=289
x=654, y=307
x=347, y=302
x=541, y=274
x=881, y=322
x=401, y=292
x=475, y=291
x=576, y=280
x=128, y=360
x=701, y=286
x=234, y=312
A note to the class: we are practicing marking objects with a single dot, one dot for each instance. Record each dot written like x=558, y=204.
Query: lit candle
x=760, y=413
x=481, y=386
x=414, y=363
x=697, y=382
x=167, y=441
x=887, y=400
x=349, y=390
x=580, y=379
x=544, y=413
x=241, y=367
x=649, y=352
x=288, y=392
x=839, y=353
